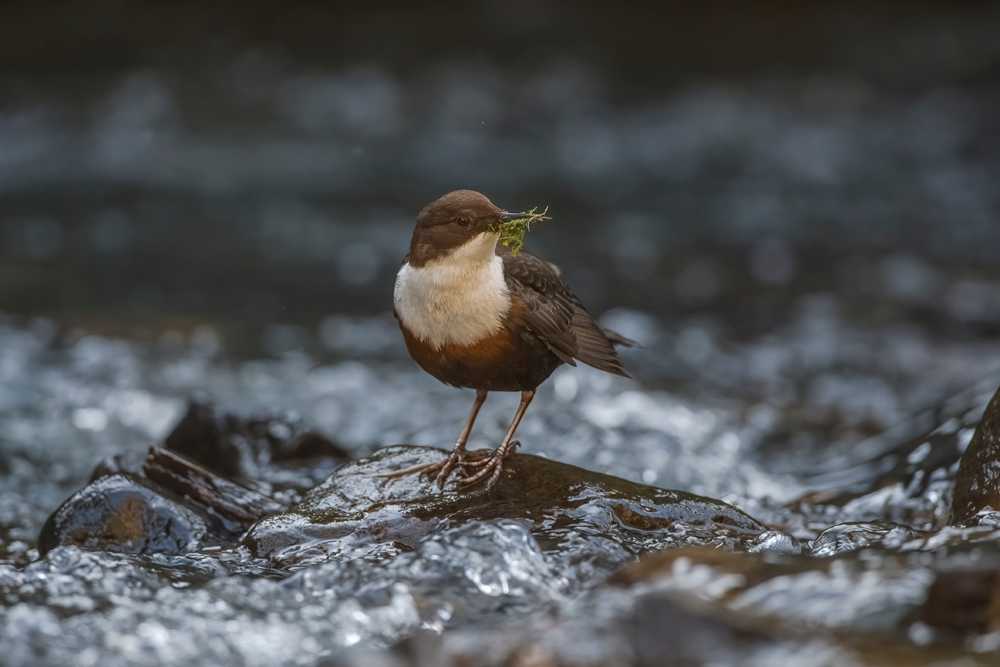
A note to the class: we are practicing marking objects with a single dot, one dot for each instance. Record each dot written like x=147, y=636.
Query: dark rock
x=963, y=602
x=977, y=483
x=666, y=632
x=169, y=505
x=306, y=448
x=359, y=510
x=201, y=436
x=243, y=447
x=223, y=497
x=124, y=513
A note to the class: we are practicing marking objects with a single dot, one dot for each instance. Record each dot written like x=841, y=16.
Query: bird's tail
x=618, y=339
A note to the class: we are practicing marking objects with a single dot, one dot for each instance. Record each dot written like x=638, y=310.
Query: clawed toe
x=475, y=465
x=476, y=458
x=439, y=471
x=445, y=469
x=491, y=467
x=461, y=459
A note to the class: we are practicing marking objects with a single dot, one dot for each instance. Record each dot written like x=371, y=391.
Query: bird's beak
x=506, y=216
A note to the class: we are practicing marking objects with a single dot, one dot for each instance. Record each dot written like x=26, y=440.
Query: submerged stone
x=666, y=630
x=361, y=510
x=776, y=593
x=963, y=602
x=977, y=483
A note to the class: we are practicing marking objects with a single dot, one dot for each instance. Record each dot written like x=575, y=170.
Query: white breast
x=458, y=298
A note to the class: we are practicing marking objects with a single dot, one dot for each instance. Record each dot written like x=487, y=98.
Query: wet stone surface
x=977, y=483
x=169, y=503
x=361, y=512
x=124, y=513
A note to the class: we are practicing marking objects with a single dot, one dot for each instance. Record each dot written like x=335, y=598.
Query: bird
x=476, y=315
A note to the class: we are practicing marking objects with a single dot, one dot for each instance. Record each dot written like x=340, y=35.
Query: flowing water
x=488, y=586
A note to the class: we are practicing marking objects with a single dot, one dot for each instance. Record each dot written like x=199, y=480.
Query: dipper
x=476, y=315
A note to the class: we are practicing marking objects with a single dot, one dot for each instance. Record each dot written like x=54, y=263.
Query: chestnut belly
x=511, y=360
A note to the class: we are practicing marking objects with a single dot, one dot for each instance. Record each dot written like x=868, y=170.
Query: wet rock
x=772, y=593
x=243, y=448
x=359, y=511
x=663, y=631
x=222, y=497
x=168, y=504
x=963, y=602
x=977, y=483
x=124, y=513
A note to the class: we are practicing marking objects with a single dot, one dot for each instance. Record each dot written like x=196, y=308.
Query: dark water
x=267, y=179
x=806, y=247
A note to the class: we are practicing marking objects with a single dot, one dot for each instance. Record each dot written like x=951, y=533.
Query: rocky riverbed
x=260, y=531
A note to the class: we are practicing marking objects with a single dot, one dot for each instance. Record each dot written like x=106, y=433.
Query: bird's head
x=455, y=220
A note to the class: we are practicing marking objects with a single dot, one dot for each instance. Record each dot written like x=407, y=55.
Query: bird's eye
x=462, y=221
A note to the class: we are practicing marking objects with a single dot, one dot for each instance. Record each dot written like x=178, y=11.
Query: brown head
x=451, y=222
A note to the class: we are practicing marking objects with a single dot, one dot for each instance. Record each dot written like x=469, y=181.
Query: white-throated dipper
x=475, y=315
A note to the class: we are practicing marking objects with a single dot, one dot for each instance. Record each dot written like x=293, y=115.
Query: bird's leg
x=457, y=456
x=492, y=466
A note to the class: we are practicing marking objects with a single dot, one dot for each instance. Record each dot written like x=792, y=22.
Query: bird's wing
x=548, y=303
x=556, y=316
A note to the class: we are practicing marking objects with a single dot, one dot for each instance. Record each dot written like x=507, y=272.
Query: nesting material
x=512, y=231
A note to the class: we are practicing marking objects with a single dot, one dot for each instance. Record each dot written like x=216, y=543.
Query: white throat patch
x=459, y=298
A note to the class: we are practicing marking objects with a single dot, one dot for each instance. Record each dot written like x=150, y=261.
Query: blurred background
x=257, y=168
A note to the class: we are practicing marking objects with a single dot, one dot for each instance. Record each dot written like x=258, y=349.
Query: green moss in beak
x=512, y=230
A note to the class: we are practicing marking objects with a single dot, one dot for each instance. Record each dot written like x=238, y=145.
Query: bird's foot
x=459, y=458
x=476, y=465
x=489, y=466
x=440, y=470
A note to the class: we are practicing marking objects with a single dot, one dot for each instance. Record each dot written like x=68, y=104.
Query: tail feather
x=595, y=346
x=618, y=339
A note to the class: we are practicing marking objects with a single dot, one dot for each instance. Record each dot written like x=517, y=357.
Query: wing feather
x=556, y=316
